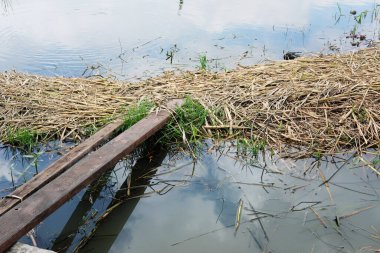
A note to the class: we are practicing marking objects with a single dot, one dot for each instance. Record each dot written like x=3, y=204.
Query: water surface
x=134, y=39
x=176, y=205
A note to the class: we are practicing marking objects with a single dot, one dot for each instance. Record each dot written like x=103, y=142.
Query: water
x=18, y=166
x=137, y=39
x=132, y=39
x=176, y=205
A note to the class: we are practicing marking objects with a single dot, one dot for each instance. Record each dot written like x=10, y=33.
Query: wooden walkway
x=30, y=204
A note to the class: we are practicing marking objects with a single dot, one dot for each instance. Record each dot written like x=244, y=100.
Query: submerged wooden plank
x=26, y=215
x=58, y=167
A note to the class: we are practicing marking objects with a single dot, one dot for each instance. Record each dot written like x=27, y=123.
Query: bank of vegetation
x=310, y=106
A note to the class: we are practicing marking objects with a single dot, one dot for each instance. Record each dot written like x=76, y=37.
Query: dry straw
x=322, y=104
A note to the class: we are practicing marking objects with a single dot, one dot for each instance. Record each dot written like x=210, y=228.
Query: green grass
x=136, y=113
x=24, y=138
x=133, y=114
x=354, y=30
x=186, y=126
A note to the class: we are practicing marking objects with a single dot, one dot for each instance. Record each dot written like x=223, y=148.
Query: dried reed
x=322, y=104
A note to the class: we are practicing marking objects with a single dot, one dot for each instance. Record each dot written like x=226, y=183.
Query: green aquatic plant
x=250, y=146
x=360, y=17
x=338, y=15
x=34, y=160
x=170, y=53
x=375, y=161
x=203, y=62
x=354, y=30
x=170, y=56
x=23, y=137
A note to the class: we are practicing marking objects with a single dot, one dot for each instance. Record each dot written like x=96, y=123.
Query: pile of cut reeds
x=323, y=104
x=58, y=107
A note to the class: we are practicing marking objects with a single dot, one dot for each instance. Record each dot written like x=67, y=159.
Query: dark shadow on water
x=108, y=228
x=67, y=235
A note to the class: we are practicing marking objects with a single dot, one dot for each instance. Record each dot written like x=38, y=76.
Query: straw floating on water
x=324, y=103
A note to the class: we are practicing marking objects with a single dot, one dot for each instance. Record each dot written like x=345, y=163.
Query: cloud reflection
x=41, y=34
x=217, y=15
x=5, y=173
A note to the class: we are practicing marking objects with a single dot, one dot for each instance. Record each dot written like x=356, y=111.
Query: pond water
x=169, y=203
x=193, y=207
x=136, y=39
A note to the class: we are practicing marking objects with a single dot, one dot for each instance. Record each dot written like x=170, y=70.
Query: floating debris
x=291, y=55
x=238, y=215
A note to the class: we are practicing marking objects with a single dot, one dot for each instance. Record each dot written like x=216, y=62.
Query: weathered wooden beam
x=58, y=167
x=26, y=215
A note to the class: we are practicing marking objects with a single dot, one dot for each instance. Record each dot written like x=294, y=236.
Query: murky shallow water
x=135, y=39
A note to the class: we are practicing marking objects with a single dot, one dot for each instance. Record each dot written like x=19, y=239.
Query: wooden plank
x=26, y=215
x=58, y=167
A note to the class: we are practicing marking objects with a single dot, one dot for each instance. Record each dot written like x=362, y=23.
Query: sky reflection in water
x=198, y=215
x=64, y=37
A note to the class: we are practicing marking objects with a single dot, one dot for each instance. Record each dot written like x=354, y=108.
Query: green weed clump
x=23, y=137
x=203, y=62
x=133, y=114
x=136, y=113
x=186, y=126
x=250, y=146
x=318, y=155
